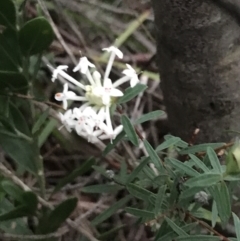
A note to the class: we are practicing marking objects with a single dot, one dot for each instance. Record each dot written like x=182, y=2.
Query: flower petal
x=115, y=50
x=59, y=96
x=106, y=99
x=116, y=92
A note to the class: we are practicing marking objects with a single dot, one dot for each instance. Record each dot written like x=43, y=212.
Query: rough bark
x=199, y=62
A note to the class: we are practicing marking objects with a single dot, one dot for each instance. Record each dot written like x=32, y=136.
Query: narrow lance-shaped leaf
x=149, y=116
x=130, y=93
x=168, y=143
x=159, y=199
x=201, y=148
x=153, y=155
x=129, y=130
x=199, y=163
x=102, y=188
x=175, y=227
x=110, y=211
x=214, y=160
x=138, y=169
x=214, y=213
x=42, y=118
x=204, y=180
x=111, y=146
x=140, y=213
x=183, y=167
x=236, y=225
x=138, y=192
x=222, y=198
x=198, y=238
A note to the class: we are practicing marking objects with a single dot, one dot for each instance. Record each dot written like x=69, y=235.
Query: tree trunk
x=199, y=63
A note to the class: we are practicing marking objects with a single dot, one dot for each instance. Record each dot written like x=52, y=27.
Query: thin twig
x=32, y=98
x=11, y=236
x=57, y=33
x=208, y=227
x=72, y=224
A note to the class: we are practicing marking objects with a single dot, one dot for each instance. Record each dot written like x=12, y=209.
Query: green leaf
x=149, y=116
x=153, y=155
x=13, y=81
x=10, y=60
x=35, y=36
x=167, y=235
x=18, y=212
x=139, y=212
x=159, y=199
x=198, y=238
x=222, y=198
x=20, y=227
x=130, y=93
x=168, y=143
x=199, y=163
x=19, y=120
x=190, y=192
x=180, y=166
x=12, y=190
x=46, y=131
x=182, y=144
x=73, y=175
x=112, y=145
x=107, y=235
x=7, y=14
x=214, y=160
x=20, y=150
x=102, y=188
x=42, y=118
x=139, y=192
x=214, y=213
x=28, y=207
x=138, y=169
x=129, y=130
x=237, y=225
x=30, y=200
x=110, y=211
x=200, y=148
x=176, y=228
x=53, y=220
x=204, y=180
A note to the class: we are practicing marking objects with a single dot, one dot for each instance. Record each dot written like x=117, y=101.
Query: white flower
x=68, y=95
x=115, y=50
x=130, y=72
x=94, y=135
x=67, y=120
x=92, y=120
x=112, y=135
x=83, y=65
x=58, y=70
x=64, y=96
x=82, y=124
x=107, y=91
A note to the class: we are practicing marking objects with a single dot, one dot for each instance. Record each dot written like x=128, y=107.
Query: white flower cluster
x=92, y=119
